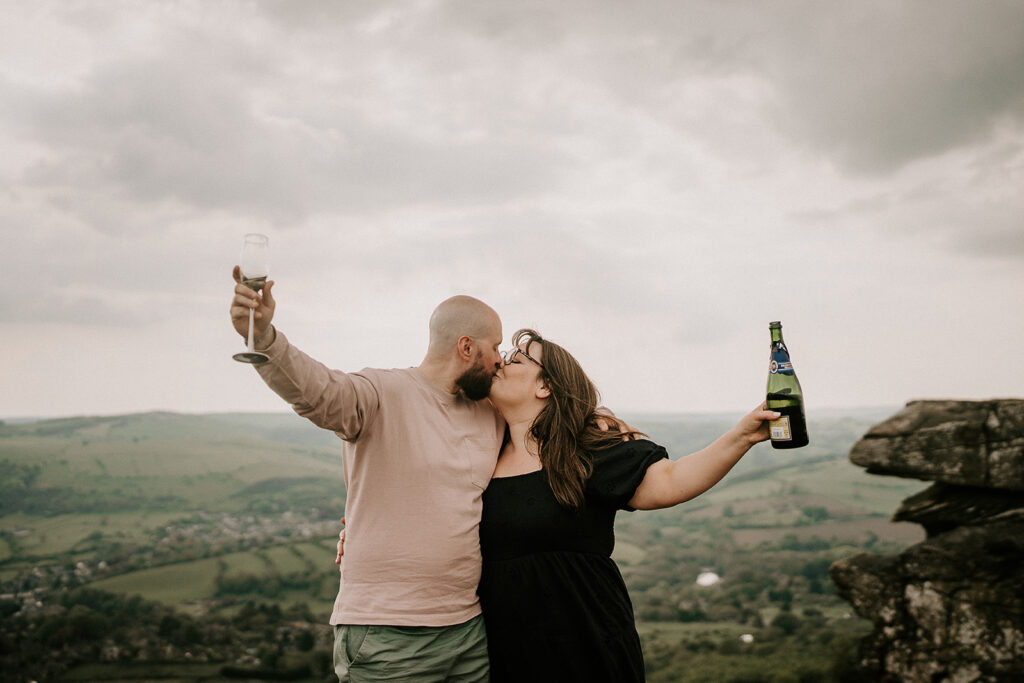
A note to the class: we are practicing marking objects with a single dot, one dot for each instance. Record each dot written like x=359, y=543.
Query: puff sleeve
x=618, y=471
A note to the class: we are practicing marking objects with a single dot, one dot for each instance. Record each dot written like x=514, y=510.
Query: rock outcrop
x=950, y=608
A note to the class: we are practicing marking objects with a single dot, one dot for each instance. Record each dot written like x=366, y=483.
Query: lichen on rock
x=950, y=608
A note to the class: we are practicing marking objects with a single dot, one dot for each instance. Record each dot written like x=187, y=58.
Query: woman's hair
x=566, y=429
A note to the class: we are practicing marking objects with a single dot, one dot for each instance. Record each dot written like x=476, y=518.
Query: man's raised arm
x=328, y=398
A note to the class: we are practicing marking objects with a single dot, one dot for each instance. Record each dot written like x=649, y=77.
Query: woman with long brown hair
x=555, y=605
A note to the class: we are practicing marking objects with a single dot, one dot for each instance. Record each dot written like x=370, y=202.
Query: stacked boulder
x=950, y=608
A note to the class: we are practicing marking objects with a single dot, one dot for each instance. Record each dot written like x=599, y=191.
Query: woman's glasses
x=510, y=356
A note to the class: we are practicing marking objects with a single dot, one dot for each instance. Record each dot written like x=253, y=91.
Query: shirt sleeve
x=341, y=402
x=618, y=471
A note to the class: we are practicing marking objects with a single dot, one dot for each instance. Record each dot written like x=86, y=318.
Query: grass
x=710, y=652
x=145, y=671
x=50, y=536
x=201, y=459
x=285, y=560
x=681, y=632
x=194, y=581
x=835, y=482
x=225, y=464
x=782, y=664
x=319, y=553
x=626, y=553
x=246, y=563
x=855, y=532
x=173, y=584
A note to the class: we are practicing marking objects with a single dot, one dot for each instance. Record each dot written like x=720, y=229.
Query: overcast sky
x=647, y=183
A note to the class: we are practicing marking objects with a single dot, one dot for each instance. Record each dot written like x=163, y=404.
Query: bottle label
x=780, y=363
x=780, y=429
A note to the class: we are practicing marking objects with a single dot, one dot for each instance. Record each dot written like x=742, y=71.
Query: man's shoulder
x=392, y=374
x=403, y=381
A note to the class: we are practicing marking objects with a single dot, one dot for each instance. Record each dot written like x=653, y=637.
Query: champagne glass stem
x=253, y=269
x=250, y=345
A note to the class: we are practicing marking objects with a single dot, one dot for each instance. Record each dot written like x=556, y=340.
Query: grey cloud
x=959, y=219
x=881, y=85
x=991, y=230
x=452, y=106
x=602, y=268
x=64, y=276
x=1007, y=242
x=536, y=255
x=316, y=14
x=56, y=304
x=874, y=85
x=188, y=131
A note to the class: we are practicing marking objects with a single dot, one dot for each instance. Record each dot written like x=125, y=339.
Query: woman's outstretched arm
x=670, y=482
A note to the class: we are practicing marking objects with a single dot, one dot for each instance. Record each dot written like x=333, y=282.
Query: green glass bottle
x=785, y=396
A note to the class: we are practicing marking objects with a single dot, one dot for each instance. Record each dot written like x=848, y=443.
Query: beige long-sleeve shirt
x=416, y=461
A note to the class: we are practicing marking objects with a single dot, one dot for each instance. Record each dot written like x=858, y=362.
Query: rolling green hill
x=62, y=480
x=158, y=461
x=71, y=486
x=209, y=514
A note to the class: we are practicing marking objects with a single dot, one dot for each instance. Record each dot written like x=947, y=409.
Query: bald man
x=420, y=446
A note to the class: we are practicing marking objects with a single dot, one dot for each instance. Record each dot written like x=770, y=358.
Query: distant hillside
x=233, y=519
x=136, y=471
x=283, y=427
x=169, y=461
x=832, y=434
x=159, y=461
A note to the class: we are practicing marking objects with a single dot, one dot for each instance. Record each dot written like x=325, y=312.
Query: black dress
x=555, y=605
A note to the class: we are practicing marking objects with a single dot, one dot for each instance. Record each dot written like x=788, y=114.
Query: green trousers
x=400, y=654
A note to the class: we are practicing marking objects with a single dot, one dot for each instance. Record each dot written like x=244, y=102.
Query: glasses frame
x=509, y=357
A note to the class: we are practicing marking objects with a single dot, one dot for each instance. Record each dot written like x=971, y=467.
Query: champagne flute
x=255, y=267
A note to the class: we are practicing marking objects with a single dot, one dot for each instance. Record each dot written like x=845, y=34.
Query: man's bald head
x=461, y=316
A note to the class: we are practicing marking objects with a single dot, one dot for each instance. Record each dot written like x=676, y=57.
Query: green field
x=50, y=536
x=745, y=516
x=182, y=584
x=161, y=468
x=203, y=459
x=192, y=584
x=217, y=516
x=134, y=673
x=287, y=559
x=676, y=632
x=627, y=553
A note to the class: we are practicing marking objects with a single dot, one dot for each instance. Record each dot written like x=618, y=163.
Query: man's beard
x=476, y=383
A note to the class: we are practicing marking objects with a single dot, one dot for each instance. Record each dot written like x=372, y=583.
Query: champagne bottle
x=785, y=396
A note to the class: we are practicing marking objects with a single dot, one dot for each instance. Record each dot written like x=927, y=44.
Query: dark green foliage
x=268, y=673
x=266, y=585
x=256, y=616
x=775, y=658
x=772, y=544
x=86, y=621
x=815, y=513
x=787, y=622
x=8, y=608
x=791, y=542
x=816, y=569
x=16, y=480
x=19, y=493
x=279, y=494
x=304, y=640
